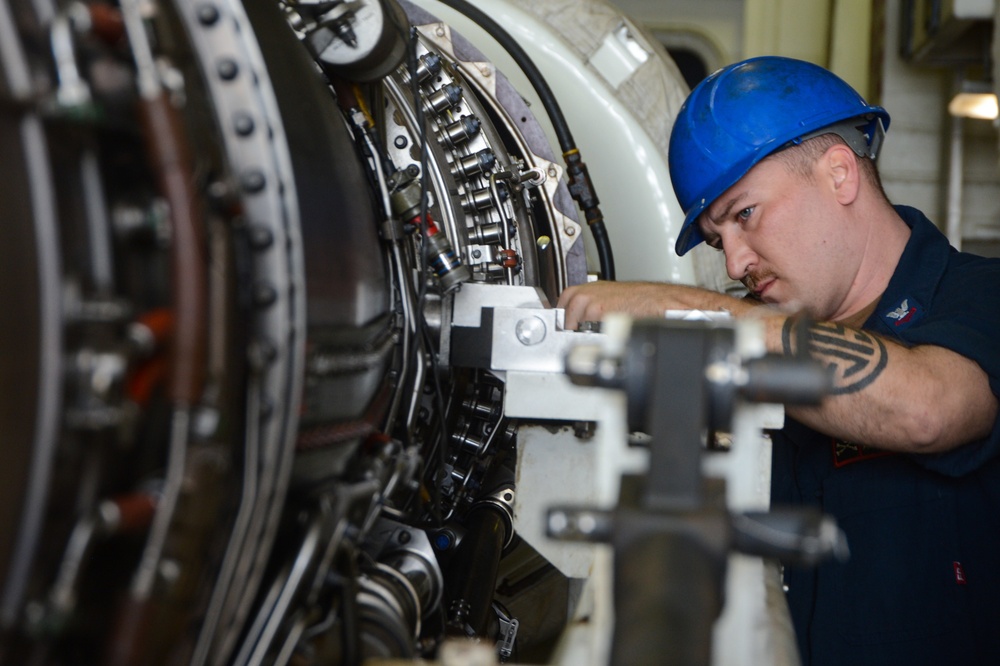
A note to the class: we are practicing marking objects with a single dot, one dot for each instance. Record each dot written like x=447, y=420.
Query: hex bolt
x=227, y=69
x=253, y=181
x=243, y=123
x=260, y=237
x=207, y=14
x=264, y=294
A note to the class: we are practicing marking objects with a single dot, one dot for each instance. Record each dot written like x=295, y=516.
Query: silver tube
x=145, y=575
x=956, y=157
x=244, y=516
x=504, y=223
x=147, y=79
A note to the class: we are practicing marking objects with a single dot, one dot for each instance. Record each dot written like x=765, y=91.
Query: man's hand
x=594, y=300
x=922, y=399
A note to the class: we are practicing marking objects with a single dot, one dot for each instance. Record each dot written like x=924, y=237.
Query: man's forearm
x=924, y=400
x=594, y=300
x=921, y=399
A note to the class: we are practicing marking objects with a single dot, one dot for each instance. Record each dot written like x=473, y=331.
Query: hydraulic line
x=171, y=160
x=167, y=143
x=475, y=572
x=473, y=577
x=580, y=185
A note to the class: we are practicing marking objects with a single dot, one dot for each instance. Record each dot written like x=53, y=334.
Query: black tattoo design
x=853, y=358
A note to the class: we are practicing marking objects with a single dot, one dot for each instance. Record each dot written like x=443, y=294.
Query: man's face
x=783, y=238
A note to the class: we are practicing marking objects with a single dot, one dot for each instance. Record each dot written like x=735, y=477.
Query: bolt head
x=530, y=330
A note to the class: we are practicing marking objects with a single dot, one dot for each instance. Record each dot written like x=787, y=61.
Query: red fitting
x=507, y=258
x=107, y=23
x=135, y=511
x=160, y=322
x=432, y=227
x=144, y=380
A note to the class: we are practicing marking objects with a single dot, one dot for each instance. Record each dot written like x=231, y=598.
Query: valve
x=405, y=200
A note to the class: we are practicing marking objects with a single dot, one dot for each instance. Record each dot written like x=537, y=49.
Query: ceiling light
x=975, y=100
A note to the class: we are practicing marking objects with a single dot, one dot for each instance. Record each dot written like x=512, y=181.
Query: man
x=772, y=160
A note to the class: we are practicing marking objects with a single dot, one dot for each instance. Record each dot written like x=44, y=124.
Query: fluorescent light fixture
x=975, y=100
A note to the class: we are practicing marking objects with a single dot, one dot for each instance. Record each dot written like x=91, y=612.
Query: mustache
x=754, y=278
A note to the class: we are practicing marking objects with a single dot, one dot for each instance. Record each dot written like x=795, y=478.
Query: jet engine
x=254, y=410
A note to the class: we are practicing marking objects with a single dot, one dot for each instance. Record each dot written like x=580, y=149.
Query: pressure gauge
x=362, y=40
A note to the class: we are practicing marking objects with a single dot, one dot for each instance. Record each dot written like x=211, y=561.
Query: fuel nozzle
x=406, y=204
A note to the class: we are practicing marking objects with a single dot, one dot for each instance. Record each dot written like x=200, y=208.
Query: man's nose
x=739, y=256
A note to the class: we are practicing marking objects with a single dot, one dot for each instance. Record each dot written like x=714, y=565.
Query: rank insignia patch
x=904, y=314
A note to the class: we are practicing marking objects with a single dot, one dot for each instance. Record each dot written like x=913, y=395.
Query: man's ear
x=840, y=170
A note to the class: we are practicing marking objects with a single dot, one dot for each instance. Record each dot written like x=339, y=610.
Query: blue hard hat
x=744, y=112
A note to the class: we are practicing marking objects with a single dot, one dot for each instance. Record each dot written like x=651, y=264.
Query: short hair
x=800, y=159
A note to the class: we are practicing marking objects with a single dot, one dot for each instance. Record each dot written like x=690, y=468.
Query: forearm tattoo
x=854, y=358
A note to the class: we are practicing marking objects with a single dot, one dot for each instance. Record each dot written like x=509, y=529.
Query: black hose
x=604, y=254
x=474, y=575
x=497, y=32
x=580, y=185
x=477, y=560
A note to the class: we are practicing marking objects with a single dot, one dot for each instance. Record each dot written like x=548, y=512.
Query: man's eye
x=745, y=214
